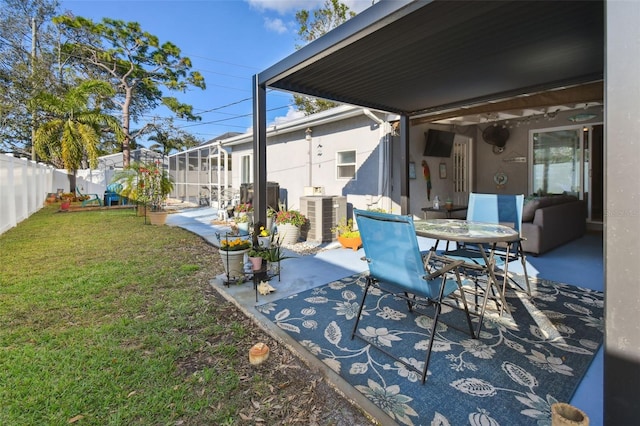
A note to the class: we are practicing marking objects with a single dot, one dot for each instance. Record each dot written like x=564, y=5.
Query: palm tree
x=73, y=125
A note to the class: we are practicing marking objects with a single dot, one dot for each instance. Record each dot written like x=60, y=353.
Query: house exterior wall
x=488, y=163
x=293, y=161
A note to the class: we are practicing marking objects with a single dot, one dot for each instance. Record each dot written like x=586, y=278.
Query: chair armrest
x=449, y=265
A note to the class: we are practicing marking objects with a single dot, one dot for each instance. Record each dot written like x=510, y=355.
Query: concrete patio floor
x=577, y=263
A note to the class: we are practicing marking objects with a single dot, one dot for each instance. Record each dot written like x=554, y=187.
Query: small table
x=480, y=233
x=444, y=209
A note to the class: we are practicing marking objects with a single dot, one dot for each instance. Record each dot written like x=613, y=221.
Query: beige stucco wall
x=294, y=163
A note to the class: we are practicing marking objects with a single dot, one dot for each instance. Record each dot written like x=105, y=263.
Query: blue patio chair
x=500, y=209
x=396, y=266
x=89, y=198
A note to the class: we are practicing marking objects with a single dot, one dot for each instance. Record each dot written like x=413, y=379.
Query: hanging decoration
x=427, y=177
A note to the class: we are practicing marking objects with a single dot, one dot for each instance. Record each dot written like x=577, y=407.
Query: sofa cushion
x=533, y=203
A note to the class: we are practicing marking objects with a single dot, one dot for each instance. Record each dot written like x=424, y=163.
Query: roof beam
x=591, y=92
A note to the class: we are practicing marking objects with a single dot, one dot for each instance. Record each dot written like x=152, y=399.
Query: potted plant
x=347, y=236
x=264, y=237
x=232, y=251
x=289, y=223
x=271, y=215
x=273, y=255
x=243, y=209
x=65, y=200
x=148, y=184
x=243, y=223
x=256, y=255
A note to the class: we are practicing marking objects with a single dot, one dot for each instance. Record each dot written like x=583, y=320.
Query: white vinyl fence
x=24, y=185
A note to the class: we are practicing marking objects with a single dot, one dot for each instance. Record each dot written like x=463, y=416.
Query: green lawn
x=105, y=320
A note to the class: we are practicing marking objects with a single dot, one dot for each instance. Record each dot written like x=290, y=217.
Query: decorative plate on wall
x=500, y=178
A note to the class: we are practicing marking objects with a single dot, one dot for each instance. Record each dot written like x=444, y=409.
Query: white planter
x=264, y=242
x=233, y=262
x=288, y=234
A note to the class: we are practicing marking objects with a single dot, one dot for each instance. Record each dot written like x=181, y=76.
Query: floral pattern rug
x=522, y=363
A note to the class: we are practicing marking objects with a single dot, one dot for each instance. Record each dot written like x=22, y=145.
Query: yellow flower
x=263, y=232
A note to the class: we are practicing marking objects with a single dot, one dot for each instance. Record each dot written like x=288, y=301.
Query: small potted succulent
x=347, y=236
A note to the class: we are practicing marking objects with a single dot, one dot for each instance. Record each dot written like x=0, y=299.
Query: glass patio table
x=479, y=233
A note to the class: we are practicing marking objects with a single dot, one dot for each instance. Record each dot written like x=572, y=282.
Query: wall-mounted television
x=438, y=143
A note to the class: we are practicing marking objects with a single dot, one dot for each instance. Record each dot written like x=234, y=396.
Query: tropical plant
x=73, y=124
x=291, y=217
x=133, y=61
x=145, y=183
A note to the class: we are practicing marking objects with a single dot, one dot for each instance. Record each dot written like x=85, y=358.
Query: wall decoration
x=412, y=170
x=443, y=170
x=500, y=179
x=427, y=176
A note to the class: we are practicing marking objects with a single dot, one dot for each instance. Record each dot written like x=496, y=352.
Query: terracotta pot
x=256, y=263
x=233, y=262
x=65, y=204
x=288, y=234
x=157, y=218
x=350, y=242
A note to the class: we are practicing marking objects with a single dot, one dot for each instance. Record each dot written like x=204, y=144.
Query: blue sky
x=228, y=41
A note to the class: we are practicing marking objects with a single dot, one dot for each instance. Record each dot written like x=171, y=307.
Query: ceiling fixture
x=578, y=118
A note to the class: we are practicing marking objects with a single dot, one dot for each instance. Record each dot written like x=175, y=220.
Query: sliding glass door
x=569, y=160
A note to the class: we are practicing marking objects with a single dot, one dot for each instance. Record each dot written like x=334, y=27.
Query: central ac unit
x=323, y=213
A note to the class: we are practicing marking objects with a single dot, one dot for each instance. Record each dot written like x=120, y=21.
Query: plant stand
x=264, y=274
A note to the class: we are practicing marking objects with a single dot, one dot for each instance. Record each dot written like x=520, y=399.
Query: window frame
x=353, y=164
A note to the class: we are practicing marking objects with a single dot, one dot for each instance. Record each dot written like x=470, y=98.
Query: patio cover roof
x=418, y=57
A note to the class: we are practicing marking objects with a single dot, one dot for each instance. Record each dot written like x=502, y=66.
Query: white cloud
x=292, y=114
x=287, y=6
x=275, y=25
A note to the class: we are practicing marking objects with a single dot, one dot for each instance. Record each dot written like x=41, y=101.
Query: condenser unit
x=323, y=213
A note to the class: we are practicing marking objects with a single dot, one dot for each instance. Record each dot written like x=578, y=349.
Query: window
x=346, y=165
x=245, y=169
x=557, y=161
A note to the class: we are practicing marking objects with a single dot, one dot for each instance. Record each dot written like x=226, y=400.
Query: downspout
x=383, y=158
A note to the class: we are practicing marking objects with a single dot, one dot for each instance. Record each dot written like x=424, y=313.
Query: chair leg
x=433, y=333
x=364, y=296
x=523, y=259
x=464, y=303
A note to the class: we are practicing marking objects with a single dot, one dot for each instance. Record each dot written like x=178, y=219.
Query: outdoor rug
x=522, y=363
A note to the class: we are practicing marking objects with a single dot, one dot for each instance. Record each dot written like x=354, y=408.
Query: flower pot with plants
x=242, y=210
x=148, y=185
x=288, y=223
x=242, y=222
x=273, y=256
x=271, y=215
x=256, y=257
x=264, y=237
x=65, y=200
x=347, y=236
x=232, y=251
